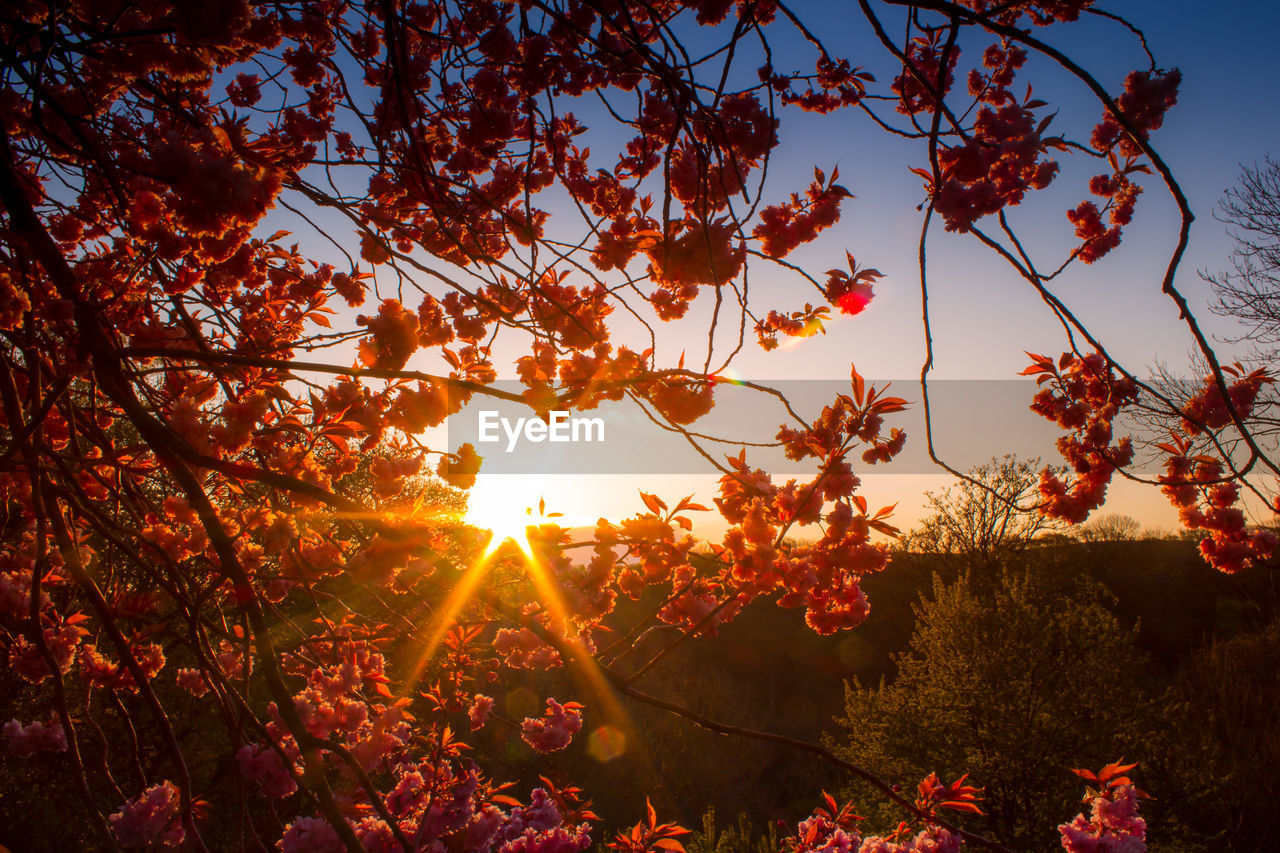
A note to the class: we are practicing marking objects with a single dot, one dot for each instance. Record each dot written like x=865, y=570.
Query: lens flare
x=606, y=743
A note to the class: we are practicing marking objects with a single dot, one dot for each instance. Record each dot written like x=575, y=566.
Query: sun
x=505, y=514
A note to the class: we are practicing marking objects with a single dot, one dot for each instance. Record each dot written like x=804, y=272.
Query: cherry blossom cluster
x=1196, y=485
x=834, y=84
x=688, y=256
x=101, y=672
x=1083, y=396
x=708, y=169
x=1120, y=195
x=266, y=769
x=555, y=729
x=1042, y=12
x=63, y=641
x=479, y=711
x=1147, y=96
x=1208, y=410
x=150, y=821
x=923, y=83
x=1144, y=102
x=680, y=400
x=15, y=588
x=1112, y=825
x=521, y=648
x=449, y=806
x=1000, y=158
x=35, y=737
x=835, y=830
x=822, y=576
x=785, y=226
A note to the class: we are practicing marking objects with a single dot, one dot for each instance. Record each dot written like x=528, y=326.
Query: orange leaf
x=1115, y=769
x=961, y=806
x=653, y=502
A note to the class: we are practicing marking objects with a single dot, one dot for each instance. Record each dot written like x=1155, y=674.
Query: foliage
x=1008, y=683
x=741, y=837
x=1220, y=742
x=227, y=632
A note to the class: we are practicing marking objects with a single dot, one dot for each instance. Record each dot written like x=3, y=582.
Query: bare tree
x=1111, y=527
x=986, y=519
x=1250, y=292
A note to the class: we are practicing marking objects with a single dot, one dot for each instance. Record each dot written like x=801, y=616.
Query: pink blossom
x=15, y=594
x=558, y=840
x=311, y=835
x=932, y=839
x=35, y=737
x=1113, y=825
x=26, y=660
x=192, y=681
x=150, y=820
x=262, y=765
x=481, y=706
x=1119, y=812
x=555, y=729
x=377, y=837
x=383, y=739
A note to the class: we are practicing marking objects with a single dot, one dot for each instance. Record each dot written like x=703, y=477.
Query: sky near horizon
x=984, y=316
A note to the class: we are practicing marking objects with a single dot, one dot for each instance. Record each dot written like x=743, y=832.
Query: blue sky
x=1225, y=116
x=984, y=315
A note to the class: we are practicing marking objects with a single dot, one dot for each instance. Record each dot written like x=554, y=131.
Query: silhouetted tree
x=1250, y=292
x=988, y=518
